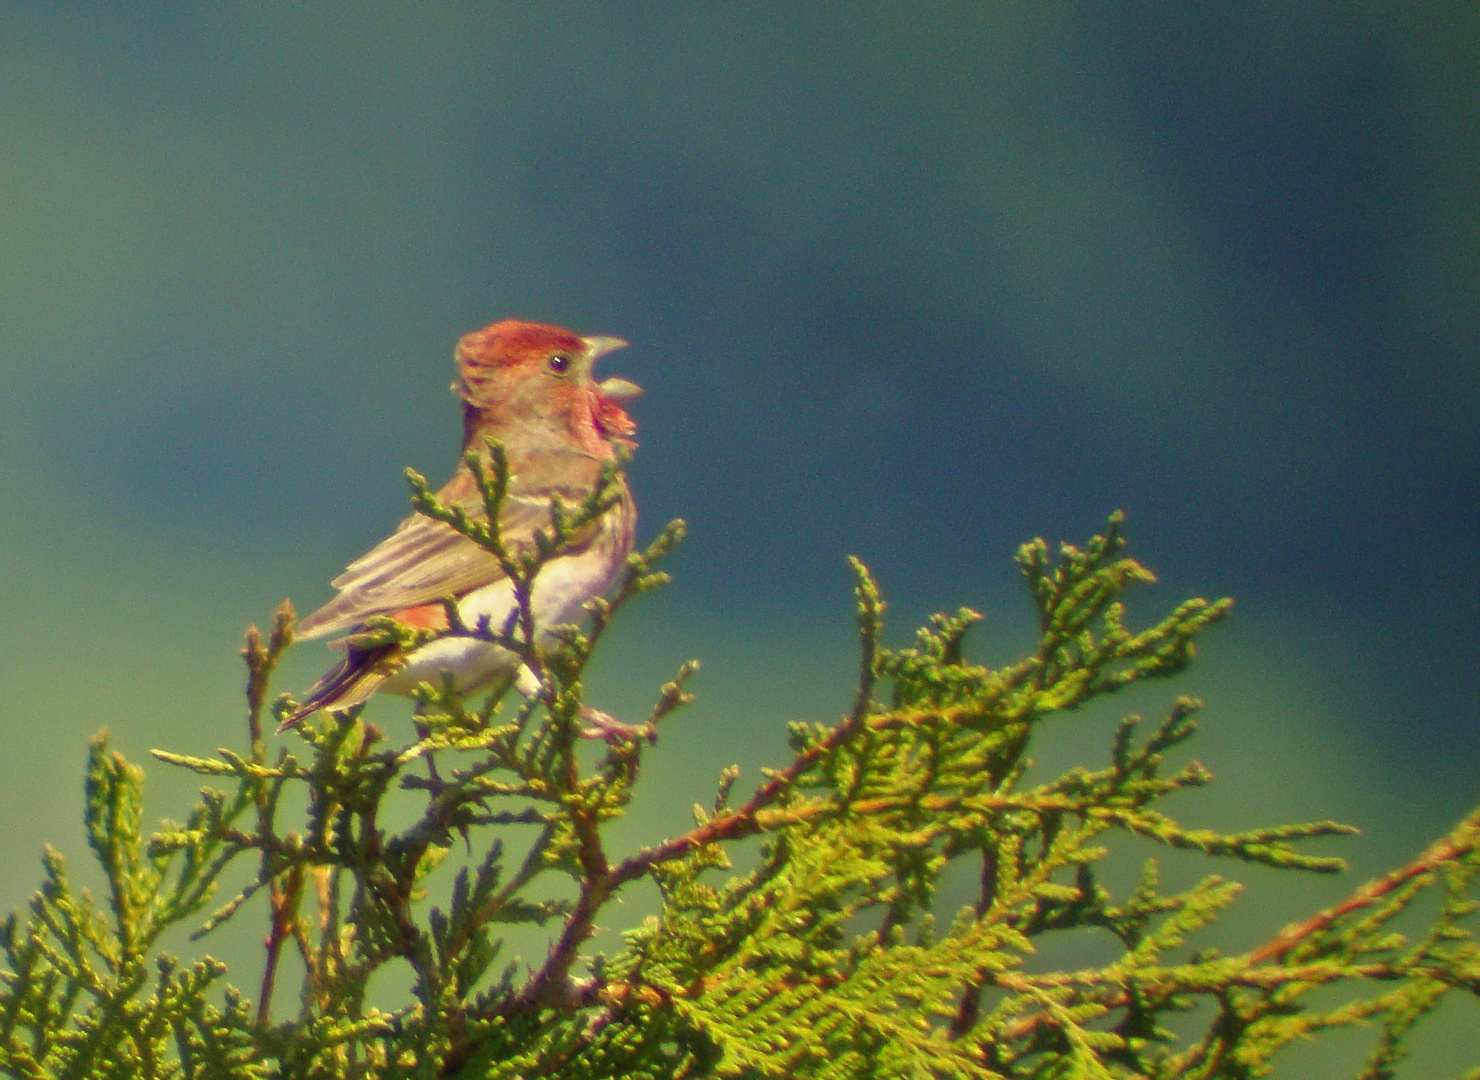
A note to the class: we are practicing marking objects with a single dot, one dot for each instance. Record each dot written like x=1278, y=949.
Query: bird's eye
x=559, y=363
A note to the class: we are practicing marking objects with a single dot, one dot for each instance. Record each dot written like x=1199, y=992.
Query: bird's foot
x=602, y=725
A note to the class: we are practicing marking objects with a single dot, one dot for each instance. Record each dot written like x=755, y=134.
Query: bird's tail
x=348, y=683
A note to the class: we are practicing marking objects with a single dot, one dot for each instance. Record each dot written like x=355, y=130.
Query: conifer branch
x=829, y=956
x=1460, y=843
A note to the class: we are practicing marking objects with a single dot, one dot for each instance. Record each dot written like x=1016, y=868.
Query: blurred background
x=915, y=282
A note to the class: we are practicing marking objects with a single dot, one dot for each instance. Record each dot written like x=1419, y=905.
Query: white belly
x=560, y=593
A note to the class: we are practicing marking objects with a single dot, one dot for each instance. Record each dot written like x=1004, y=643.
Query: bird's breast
x=561, y=591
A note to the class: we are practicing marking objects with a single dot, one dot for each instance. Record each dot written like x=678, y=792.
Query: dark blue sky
x=911, y=282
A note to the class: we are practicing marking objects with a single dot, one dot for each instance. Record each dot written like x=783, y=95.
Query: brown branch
x=756, y=815
x=1463, y=840
x=1460, y=842
x=552, y=983
x=283, y=902
x=1265, y=977
x=283, y=908
x=744, y=820
x=971, y=999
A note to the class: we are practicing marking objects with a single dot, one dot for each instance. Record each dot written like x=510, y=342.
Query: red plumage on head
x=505, y=381
x=482, y=355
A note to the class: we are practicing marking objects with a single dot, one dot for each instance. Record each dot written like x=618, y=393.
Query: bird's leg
x=604, y=725
x=600, y=725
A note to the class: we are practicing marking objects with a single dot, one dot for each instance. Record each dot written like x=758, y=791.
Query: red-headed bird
x=530, y=387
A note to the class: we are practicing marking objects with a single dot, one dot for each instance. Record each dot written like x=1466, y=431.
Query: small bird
x=529, y=386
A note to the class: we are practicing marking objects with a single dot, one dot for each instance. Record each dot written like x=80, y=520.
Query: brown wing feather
x=425, y=560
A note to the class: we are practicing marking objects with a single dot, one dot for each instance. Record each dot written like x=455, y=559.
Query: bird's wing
x=425, y=560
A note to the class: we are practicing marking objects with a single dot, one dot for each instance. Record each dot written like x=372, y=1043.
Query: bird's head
x=531, y=383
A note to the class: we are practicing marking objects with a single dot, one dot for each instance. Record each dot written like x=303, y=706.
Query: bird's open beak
x=618, y=389
x=614, y=389
x=600, y=346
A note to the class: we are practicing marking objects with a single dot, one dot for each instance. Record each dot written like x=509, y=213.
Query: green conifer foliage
x=830, y=958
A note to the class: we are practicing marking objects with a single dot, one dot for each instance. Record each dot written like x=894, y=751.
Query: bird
x=529, y=386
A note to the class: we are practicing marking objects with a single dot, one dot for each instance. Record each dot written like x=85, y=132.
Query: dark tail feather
x=348, y=683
